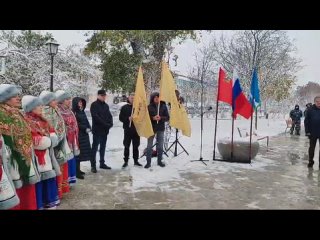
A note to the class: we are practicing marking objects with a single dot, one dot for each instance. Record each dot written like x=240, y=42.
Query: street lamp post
x=2, y=64
x=52, y=51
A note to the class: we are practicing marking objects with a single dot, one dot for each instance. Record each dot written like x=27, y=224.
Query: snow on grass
x=175, y=166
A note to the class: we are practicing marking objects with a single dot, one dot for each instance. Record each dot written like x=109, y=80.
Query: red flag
x=224, y=88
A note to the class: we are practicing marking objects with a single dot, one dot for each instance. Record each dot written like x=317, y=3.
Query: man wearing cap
x=17, y=137
x=102, y=121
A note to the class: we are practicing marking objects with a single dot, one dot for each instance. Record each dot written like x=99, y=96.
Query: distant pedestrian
x=296, y=115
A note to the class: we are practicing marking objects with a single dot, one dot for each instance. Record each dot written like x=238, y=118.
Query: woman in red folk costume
x=62, y=152
x=8, y=195
x=72, y=131
x=44, y=139
x=18, y=139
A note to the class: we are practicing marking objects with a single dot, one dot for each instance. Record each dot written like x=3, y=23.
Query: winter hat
x=30, y=102
x=102, y=92
x=62, y=95
x=8, y=91
x=153, y=95
x=46, y=97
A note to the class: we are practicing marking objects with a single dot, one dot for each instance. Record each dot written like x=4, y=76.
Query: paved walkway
x=284, y=183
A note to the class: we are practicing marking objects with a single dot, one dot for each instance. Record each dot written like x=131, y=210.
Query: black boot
x=161, y=164
x=126, y=160
x=78, y=174
x=104, y=166
x=93, y=169
x=148, y=165
x=93, y=165
x=136, y=163
x=82, y=173
x=125, y=165
x=310, y=164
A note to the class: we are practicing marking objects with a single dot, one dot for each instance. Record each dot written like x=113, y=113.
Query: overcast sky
x=306, y=41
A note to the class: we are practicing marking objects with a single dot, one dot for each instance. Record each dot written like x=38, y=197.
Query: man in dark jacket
x=296, y=115
x=158, y=120
x=130, y=133
x=102, y=121
x=312, y=126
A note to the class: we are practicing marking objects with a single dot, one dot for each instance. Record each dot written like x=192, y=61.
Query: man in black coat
x=78, y=107
x=102, y=121
x=312, y=127
x=296, y=115
x=130, y=133
x=158, y=125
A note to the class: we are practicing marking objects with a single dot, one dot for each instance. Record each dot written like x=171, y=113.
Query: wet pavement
x=283, y=182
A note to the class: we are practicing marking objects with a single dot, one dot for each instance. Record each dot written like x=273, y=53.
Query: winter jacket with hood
x=163, y=113
x=83, y=125
x=296, y=114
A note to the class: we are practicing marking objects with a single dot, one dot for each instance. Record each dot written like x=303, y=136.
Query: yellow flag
x=140, y=117
x=178, y=115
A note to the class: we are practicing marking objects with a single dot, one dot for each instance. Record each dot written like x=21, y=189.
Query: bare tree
x=204, y=71
x=268, y=50
x=307, y=92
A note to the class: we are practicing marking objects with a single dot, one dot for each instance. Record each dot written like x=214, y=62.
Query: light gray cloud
x=306, y=41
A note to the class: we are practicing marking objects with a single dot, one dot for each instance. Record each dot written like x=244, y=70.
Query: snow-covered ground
x=142, y=178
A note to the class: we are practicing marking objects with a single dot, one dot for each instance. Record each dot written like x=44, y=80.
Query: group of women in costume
x=39, y=148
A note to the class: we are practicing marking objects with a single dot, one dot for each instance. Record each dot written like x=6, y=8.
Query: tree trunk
x=152, y=69
x=152, y=74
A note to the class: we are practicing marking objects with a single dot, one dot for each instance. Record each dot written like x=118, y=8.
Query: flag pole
x=232, y=133
x=131, y=116
x=215, y=129
x=256, y=123
x=160, y=89
x=158, y=111
x=216, y=121
x=251, y=121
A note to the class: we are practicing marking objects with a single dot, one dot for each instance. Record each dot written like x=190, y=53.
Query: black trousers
x=313, y=143
x=131, y=136
x=102, y=141
x=296, y=125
